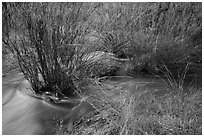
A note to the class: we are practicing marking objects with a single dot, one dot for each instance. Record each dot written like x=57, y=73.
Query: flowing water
x=24, y=114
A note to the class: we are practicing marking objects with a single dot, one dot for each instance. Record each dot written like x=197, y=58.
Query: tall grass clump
x=169, y=33
x=176, y=82
x=150, y=33
x=48, y=40
x=111, y=25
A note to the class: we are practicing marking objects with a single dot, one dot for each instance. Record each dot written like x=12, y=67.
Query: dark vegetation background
x=49, y=41
x=151, y=34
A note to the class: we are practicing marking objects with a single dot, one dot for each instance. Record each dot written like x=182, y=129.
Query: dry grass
x=49, y=40
x=142, y=113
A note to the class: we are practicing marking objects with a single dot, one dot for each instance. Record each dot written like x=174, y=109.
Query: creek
x=25, y=114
